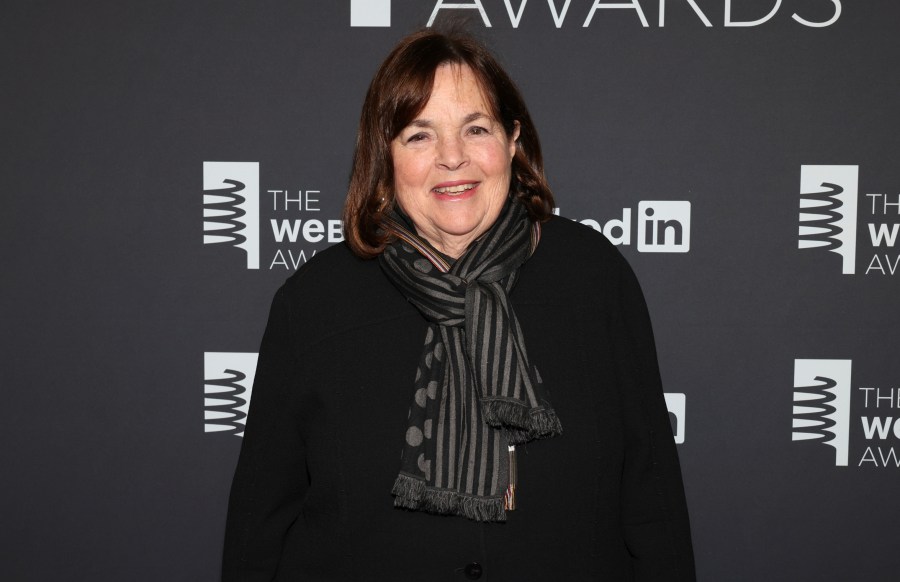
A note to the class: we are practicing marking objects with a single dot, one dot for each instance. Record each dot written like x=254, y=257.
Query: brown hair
x=399, y=91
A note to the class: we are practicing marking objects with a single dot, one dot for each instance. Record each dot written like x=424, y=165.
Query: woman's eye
x=416, y=137
x=478, y=130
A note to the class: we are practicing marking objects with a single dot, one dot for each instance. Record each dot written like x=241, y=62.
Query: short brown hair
x=399, y=91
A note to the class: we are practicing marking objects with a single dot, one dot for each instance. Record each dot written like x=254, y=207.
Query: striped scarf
x=476, y=393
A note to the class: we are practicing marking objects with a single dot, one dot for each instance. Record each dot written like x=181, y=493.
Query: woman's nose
x=451, y=153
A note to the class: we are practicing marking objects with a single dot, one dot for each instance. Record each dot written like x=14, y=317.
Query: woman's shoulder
x=334, y=265
x=574, y=242
x=334, y=274
x=336, y=289
x=573, y=263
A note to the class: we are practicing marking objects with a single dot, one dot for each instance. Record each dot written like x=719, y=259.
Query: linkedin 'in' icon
x=664, y=226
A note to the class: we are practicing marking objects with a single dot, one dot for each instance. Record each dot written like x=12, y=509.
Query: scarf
x=476, y=393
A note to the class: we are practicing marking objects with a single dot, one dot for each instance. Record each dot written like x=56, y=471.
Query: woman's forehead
x=458, y=87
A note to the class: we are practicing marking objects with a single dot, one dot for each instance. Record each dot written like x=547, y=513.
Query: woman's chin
x=458, y=231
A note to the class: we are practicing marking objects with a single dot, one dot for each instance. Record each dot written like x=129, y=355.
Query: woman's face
x=452, y=164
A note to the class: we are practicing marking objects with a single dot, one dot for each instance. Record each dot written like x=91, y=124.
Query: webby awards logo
x=231, y=207
x=829, y=208
x=737, y=13
x=676, y=404
x=659, y=226
x=822, y=405
x=234, y=205
x=822, y=414
x=227, y=385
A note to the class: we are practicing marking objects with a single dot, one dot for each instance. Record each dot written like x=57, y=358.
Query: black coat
x=311, y=495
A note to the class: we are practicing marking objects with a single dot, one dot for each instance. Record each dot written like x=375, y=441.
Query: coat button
x=473, y=571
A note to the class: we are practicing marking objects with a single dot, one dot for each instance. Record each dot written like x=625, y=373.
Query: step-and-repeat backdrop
x=168, y=164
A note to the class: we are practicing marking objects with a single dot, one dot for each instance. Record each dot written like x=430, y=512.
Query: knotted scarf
x=476, y=392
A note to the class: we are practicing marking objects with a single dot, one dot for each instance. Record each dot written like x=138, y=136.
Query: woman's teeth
x=455, y=189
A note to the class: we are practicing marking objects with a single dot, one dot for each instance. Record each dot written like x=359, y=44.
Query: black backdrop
x=118, y=320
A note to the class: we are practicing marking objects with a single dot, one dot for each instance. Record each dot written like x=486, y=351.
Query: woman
x=533, y=433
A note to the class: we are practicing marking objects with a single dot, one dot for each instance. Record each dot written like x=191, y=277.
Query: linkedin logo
x=664, y=226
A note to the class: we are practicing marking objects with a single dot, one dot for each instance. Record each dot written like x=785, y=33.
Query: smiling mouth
x=458, y=189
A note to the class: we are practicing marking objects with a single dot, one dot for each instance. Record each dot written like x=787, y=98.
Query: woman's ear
x=513, y=137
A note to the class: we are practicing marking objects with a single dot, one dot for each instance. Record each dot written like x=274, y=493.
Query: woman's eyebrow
x=473, y=116
x=467, y=119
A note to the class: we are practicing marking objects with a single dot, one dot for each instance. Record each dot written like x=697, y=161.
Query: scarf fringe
x=411, y=493
x=522, y=424
x=408, y=491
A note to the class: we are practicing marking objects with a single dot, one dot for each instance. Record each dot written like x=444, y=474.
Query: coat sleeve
x=270, y=481
x=654, y=510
